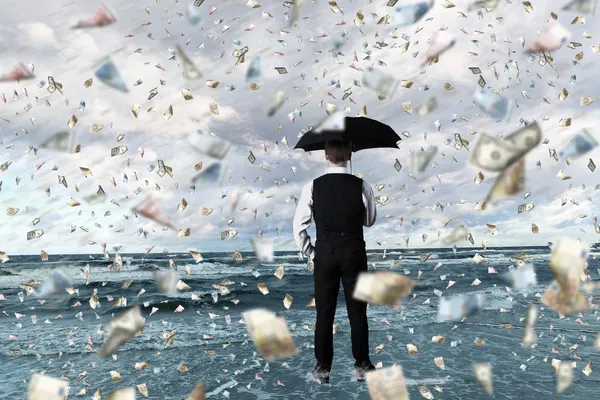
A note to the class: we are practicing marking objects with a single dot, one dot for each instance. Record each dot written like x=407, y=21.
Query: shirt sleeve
x=369, y=202
x=302, y=221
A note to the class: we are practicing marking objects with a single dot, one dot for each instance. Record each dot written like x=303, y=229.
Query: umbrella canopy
x=364, y=133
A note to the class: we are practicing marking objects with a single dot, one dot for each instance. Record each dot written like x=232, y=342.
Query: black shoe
x=321, y=373
x=362, y=368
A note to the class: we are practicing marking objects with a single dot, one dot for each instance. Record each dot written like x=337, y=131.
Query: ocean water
x=57, y=343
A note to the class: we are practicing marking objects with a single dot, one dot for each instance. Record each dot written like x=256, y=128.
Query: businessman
x=340, y=204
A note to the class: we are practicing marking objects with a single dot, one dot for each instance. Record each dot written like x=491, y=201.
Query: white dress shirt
x=304, y=212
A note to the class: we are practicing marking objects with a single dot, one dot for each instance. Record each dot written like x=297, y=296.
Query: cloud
x=71, y=56
x=38, y=36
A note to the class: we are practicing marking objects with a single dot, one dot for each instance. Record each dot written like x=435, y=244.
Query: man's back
x=338, y=205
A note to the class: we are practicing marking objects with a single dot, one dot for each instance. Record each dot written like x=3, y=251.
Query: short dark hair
x=338, y=150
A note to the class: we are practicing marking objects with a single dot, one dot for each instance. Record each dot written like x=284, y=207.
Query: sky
x=40, y=34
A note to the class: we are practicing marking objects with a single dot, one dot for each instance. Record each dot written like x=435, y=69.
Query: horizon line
x=288, y=251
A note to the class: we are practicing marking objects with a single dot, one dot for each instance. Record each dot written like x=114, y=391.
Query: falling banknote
x=387, y=384
x=421, y=159
x=382, y=84
x=56, y=281
x=408, y=14
x=44, y=387
x=270, y=334
x=509, y=183
x=440, y=42
x=459, y=307
x=198, y=393
x=190, y=71
x=521, y=278
x=103, y=16
x=581, y=6
x=580, y=144
x=487, y=4
x=122, y=394
x=108, y=74
x=209, y=144
x=37, y=233
x=121, y=329
x=495, y=154
x=166, y=281
x=567, y=262
x=382, y=287
x=492, y=104
x=213, y=173
x=228, y=234
x=117, y=151
x=552, y=38
x=149, y=208
x=193, y=15
x=263, y=248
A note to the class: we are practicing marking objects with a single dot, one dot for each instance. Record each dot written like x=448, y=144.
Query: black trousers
x=335, y=260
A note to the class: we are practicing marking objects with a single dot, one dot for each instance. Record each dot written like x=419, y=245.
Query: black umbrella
x=364, y=133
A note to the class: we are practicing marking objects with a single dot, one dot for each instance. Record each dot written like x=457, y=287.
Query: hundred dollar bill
x=35, y=234
x=459, y=307
x=525, y=207
x=382, y=287
x=381, y=83
x=495, y=154
x=210, y=145
x=121, y=329
x=270, y=334
x=408, y=14
x=580, y=144
x=43, y=387
x=387, y=384
x=228, y=234
x=495, y=106
x=117, y=151
x=117, y=263
x=525, y=138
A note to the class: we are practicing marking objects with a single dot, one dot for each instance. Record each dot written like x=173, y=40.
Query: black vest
x=338, y=207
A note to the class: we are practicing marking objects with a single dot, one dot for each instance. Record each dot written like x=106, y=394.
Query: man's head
x=338, y=152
